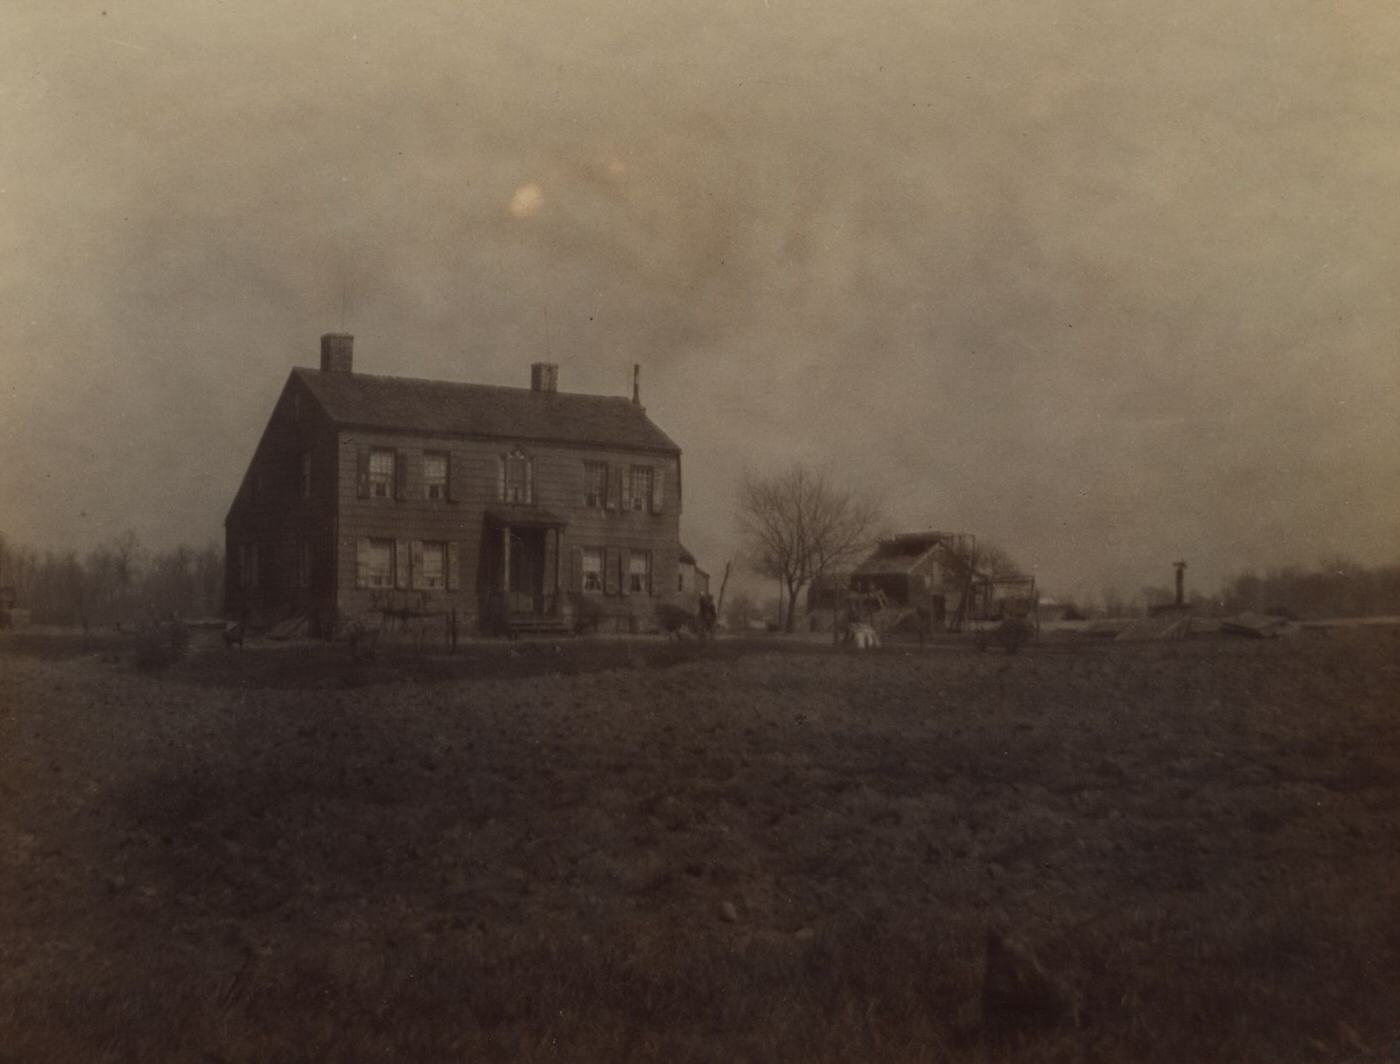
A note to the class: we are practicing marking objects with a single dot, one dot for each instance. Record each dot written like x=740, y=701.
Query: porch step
x=538, y=626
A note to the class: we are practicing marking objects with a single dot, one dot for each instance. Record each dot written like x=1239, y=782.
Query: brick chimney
x=544, y=377
x=337, y=353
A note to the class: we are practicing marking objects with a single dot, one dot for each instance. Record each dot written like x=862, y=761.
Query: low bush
x=160, y=646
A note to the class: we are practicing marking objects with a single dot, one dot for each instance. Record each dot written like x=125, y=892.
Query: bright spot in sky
x=527, y=200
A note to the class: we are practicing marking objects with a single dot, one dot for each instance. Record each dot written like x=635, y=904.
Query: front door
x=526, y=570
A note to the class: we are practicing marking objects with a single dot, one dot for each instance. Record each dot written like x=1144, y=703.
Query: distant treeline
x=1339, y=588
x=116, y=582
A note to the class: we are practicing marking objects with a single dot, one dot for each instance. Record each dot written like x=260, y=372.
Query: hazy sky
x=1108, y=282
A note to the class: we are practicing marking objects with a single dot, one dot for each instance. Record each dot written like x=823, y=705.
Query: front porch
x=522, y=578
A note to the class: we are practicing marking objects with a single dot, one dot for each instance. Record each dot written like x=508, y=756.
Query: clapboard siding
x=559, y=484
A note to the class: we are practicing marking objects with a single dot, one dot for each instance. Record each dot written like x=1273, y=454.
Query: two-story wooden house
x=526, y=507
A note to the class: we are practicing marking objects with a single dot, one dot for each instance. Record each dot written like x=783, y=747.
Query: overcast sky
x=1110, y=283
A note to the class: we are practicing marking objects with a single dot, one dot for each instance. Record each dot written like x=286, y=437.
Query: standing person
x=708, y=616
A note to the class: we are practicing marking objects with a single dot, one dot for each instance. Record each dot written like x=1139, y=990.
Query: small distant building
x=691, y=580
x=934, y=574
x=927, y=571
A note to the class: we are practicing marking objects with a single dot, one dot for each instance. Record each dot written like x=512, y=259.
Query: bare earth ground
x=743, y=852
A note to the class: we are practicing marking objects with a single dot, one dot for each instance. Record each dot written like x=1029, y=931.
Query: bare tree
x=799, y=524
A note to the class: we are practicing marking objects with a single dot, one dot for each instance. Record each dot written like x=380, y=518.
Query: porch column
x=505, y=564
x=558, y=568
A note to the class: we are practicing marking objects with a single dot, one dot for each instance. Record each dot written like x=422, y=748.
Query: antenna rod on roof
x=344, y=304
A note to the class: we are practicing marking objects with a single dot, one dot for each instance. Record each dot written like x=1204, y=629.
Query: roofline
x=555, y=441
x=298, y=371
x=465, y=384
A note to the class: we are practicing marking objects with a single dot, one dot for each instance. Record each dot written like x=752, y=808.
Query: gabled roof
x=900, y=554
x=404, y=404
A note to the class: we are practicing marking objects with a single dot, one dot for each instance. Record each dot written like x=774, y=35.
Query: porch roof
x=525, y=517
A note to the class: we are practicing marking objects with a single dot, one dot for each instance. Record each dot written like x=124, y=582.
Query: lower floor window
x=434, y=565
x=639, y=574
x=592, y=569
x=381, y=563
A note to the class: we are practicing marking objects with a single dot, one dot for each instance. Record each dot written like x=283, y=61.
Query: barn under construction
x=933, y=582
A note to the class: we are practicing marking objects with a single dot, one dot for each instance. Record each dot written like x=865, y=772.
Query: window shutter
x=658, y=481
x=362, y=562
x=624, y=571
x=651, y=573
x=416, y=554
x=611, y=572
x=456, y=482
x=454, y=562
x=576, y=569
x=400, y=474
x=614, y=486
x=625, y=475
x=401, y=563
x=362, y=473
x=530, y=480
x=501, y=478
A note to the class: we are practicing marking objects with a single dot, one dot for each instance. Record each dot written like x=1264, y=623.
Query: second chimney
x=544, y=377
x=337, y=353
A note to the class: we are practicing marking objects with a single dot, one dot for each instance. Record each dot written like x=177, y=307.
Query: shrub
x=160, y=645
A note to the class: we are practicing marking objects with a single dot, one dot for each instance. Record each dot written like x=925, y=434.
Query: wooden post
x=719, y=603
x=558, y=571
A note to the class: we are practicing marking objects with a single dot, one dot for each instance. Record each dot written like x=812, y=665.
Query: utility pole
x=719, y=605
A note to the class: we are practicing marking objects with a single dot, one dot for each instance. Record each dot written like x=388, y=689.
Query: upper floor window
x=595, y=487
x=640, y=495
x=435, y=475
x=517, y=478
x=381, y=474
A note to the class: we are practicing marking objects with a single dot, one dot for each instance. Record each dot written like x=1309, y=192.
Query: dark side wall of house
x=288, y=520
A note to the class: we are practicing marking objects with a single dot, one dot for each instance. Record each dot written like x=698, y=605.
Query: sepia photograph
x=744, y=531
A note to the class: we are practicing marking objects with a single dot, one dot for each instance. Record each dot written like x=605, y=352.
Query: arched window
x=517, y=477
